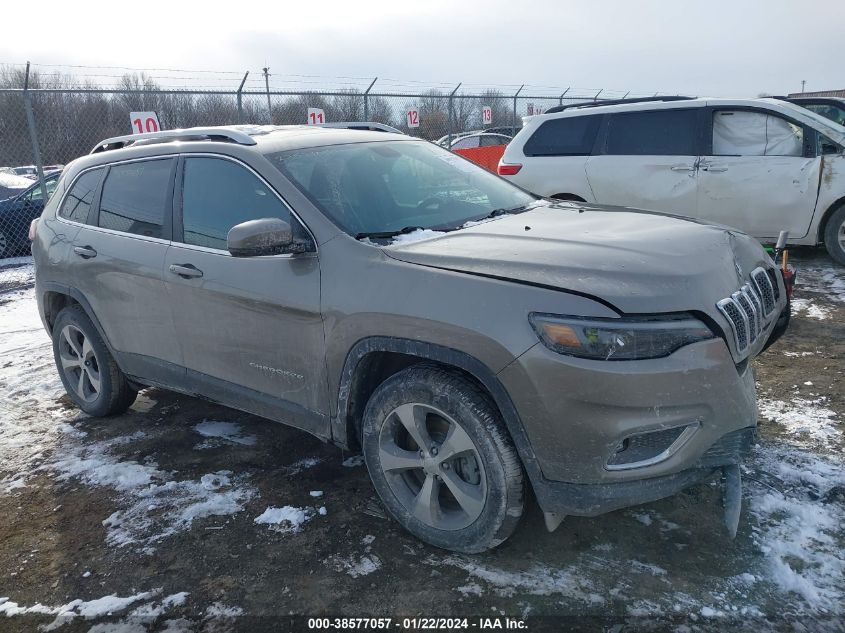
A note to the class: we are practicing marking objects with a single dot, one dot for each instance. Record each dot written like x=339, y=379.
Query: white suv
x=760, y=165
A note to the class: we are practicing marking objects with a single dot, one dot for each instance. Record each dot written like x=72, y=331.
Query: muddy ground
x=156, y=511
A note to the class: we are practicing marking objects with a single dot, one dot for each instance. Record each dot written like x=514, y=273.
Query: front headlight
x=617, y=339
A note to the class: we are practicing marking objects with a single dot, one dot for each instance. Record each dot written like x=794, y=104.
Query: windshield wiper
x=387, y=234
x=520, y=208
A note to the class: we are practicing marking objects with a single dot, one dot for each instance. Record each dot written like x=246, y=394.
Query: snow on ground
x=354, y=565
x=39, y=435
x=16, y=272
x=807, y=419
x=287, y=519
x=805, y=307
x=225, y=431
x=78, y=608
x=821, y=277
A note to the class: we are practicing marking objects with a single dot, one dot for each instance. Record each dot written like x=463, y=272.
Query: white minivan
x=760, y=165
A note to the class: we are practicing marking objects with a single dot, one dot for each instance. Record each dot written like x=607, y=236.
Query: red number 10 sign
x=143, y=122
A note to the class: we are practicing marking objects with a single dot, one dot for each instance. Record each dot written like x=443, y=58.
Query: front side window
x=568, y=136
x=35, y=195
x=390, y=185
x=653, y=133
x=750, y=133
x=136, y=197
x=78, y=201
x=217, y=194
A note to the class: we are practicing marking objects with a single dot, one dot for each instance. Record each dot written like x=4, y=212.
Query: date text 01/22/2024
x=416, y=624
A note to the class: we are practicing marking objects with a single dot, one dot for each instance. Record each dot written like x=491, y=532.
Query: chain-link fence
x=42, y=129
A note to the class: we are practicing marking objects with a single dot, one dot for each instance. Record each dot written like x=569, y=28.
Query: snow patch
x=225, y=431
x=354, y=461
x=805, y=418
x=354, y=565
x=812, y=310
x=287, y=519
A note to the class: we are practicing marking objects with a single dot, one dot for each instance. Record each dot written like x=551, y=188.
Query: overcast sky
x=718, y=48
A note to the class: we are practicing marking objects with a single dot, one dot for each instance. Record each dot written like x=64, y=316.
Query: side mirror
x=267, y=236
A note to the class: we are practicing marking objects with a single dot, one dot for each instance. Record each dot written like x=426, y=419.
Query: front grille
x=729, y=449
x=748, y=308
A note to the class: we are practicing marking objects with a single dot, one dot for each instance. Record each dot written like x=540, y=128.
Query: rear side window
x=569, y=136
x=654, y=133
x=136, y=197
x=78, y=201
x=218, y=194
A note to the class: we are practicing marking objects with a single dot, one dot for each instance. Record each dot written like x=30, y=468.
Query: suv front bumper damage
x=579, y=415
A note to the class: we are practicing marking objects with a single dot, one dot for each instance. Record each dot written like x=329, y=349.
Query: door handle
x=186, y=271
x=714, y=168
x=85, y=252
x=682, y=168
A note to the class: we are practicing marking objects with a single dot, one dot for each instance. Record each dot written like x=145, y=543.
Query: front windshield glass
x=388, y=186
x=822, y=124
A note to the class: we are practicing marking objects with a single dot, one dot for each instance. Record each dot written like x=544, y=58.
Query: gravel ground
x=186, y=516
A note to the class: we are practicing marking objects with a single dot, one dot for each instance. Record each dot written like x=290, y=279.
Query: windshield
x=822, y=124
x=388, y=186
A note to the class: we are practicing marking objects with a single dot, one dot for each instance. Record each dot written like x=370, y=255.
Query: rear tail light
x=32, y=228
x=508, y=170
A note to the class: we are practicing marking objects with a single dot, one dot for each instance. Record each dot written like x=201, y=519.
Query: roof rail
x=192, y=133
x=362, y=125
x=604, y=102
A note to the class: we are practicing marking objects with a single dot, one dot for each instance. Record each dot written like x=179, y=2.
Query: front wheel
x=441, y=460
x=88, y=371
x=834, y=235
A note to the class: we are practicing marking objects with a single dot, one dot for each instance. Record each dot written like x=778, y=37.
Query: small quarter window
x=136, y=197
x=568, y=136
x=78, y=201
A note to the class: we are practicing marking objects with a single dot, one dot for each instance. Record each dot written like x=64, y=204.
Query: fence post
x=367, y=100
x=241, y=98
x=33, y=135
x=513, y=121
x=560, y=100
x=451, y=114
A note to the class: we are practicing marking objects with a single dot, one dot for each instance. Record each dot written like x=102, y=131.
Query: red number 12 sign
x=413, y=116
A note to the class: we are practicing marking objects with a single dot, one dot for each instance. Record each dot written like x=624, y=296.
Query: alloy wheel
x=432, y=466
x=79, y=363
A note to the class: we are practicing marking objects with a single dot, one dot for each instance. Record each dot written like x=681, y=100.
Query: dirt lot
x=147, y=522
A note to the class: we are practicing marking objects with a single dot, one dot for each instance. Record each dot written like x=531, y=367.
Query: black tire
x=488, y=477
x=834, y=235
x=5, y=245
x=87, y=369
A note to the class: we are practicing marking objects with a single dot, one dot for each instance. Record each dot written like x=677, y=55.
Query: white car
x=760, y=165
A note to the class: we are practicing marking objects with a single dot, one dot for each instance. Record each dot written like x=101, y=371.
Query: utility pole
x=803, y=83
x=267, y=86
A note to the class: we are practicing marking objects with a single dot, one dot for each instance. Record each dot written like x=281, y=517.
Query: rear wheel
x=834, y=235
x=87, y=369
x=441, y=460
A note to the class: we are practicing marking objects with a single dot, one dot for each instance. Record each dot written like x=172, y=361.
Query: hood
x=636, y=261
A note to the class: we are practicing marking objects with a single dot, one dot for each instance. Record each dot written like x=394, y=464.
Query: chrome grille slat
x=747, y=310
x=765, y=289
